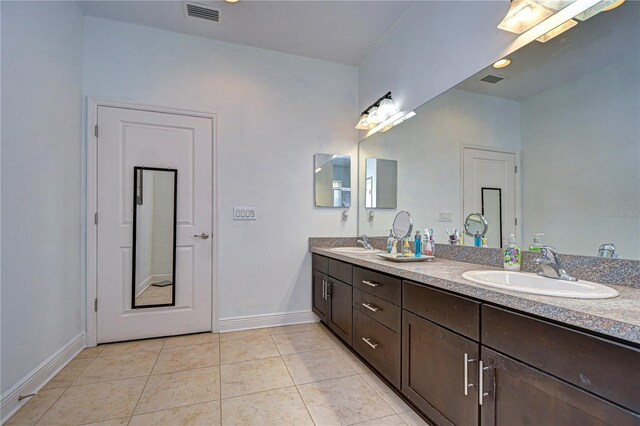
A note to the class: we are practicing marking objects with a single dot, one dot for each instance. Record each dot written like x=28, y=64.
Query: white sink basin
x=535, y=284
x=354, y=250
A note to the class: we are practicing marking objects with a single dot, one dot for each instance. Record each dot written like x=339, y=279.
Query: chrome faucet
x=365, y=242
x=550, y=265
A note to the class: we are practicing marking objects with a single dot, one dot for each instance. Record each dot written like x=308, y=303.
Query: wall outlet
x=444, y=217
x=244, y=213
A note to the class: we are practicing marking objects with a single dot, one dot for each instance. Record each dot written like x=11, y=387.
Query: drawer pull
x=368, y=342
x=370, y=283
x=371, y=308
x=467, y=385
x=481, y=392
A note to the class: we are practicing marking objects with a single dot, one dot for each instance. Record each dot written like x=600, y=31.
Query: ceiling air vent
x=201, y=11
x=493, y=79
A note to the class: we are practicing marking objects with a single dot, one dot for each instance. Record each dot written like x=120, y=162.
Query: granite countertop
x=618, y=317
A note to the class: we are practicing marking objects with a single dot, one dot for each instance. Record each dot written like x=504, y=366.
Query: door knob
x=204, y=236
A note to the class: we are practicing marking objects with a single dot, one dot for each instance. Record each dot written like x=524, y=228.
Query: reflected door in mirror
x=154, y=242
x=332, y=180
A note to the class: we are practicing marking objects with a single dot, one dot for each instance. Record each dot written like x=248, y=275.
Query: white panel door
x=129, y=138
x=491, y=170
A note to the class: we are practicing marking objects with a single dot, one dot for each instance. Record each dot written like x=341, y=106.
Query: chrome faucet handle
x=551, y=254
x=365, y=242
x=550, y=265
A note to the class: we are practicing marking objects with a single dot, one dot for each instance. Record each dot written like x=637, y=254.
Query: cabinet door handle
x=324, y=290
x=467, y=385
x=370, y=283
x=481, y=392
x=371, y=308
x=368, y=342
x=328, y=287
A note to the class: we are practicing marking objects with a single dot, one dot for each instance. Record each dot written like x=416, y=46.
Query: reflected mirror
x=332, y=180
x=475, y=225
x=549, y=144
x=154, y=241
x=381, y=182
x=402, y=225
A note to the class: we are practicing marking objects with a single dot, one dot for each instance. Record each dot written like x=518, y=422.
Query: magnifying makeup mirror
x=474, y=224
x=402, y=225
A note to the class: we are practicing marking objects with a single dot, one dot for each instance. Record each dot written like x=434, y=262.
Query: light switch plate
x=244, y=213
x=444, y=217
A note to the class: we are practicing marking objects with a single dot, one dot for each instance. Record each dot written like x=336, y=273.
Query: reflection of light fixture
x=377, y=112
x=523, y=15
x=603, y=6
x=502, y=63
x=557, y=30
x=318, y=169
x=390, y=122
x=613, y=6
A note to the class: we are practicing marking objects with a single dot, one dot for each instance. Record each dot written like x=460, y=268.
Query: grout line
x=257, y=392
x=144, y=387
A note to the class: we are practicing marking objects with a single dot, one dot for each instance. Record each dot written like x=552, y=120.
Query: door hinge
x=516, y=166
x=95, y=304
x=95, y=130
x=95, y=218
x=516, y=221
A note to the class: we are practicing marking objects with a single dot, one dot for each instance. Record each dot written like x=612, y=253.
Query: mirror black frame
x=137, y=170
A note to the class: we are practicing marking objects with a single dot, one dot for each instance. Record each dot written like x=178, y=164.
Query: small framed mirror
x=402, y=225
x=381, y=184
x=154, y=237
x=476, y=224
x=332, y=180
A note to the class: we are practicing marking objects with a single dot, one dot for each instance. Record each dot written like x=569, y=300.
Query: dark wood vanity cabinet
x=516, y=394
x=442, y=351
x=332, y=298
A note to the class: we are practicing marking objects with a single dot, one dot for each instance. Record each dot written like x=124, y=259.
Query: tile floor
x=154, y=295
x=292, y=375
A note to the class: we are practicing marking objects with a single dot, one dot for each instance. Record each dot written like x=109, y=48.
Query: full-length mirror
x=332, y=180
x=549, y=144
x=154, y=229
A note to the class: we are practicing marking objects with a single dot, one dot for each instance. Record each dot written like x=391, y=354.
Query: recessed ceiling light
x=232, y=1
x=502, y=63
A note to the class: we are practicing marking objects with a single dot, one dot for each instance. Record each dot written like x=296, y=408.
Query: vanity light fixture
x=378, y=112
x=557, y=30
x=502, y=63
x=524, y=15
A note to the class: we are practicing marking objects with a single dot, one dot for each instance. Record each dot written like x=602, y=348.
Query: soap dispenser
x=512, y=255
x=537, y=243
x=417, y=244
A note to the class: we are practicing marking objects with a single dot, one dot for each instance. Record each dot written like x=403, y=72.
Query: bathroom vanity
x=465, y=354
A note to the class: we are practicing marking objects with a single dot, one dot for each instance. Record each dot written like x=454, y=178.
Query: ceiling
x=606, y=38
x=337, y=31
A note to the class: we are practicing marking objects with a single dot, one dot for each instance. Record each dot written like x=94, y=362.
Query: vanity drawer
x=320, y=263
x=382, y=311
x=456, y=313
x=381, y=285
x=341, y=270
x=602, y=367
x=383, y=349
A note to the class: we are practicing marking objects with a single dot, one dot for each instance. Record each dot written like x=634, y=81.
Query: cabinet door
x=320, y=300
x=340, y=316
x=439, y=371
x=516, y=394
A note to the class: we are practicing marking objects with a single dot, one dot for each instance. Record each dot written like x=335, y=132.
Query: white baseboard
x=268, y=320
x=40, y=376
x=142, y=286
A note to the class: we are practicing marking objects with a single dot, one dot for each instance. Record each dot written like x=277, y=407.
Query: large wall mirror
x=549, y=144
x=332, y=180
x=154, y=237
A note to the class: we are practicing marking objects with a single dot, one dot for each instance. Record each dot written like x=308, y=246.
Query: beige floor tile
x=164, y=391
x=343, y=401
x=192, y=339
x=119, y=366
x=413, y=419
x=134, y=346
x=113, y=422
x=254, y=376
x=307, y=367
x=187, y=358
x=353, y=360
x=31, y=412
x=390, y=397
x=394, y=420
x=90, y=352
x=69, y=373
x=274, y=407
x=94, y=403
x=302, y=341
x=244, y=334
x=207, y=413
x=246, y=348
x=294, y=328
